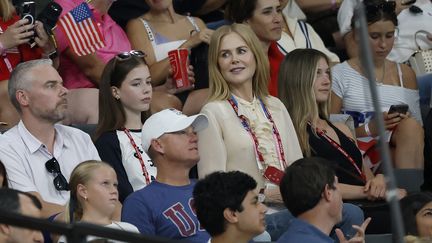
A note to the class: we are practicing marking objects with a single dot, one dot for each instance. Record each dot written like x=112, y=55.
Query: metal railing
x=77, y=232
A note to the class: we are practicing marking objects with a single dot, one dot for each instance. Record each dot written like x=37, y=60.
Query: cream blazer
x=226, y=146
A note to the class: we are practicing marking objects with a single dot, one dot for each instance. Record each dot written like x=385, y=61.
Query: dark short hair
x=218, y=191
x=238, y=11
x=9, y=200
x=410, y=206
x=303, y=183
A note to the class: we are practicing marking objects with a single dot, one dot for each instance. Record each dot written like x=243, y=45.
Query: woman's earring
x=85, y=198
x=117, y=97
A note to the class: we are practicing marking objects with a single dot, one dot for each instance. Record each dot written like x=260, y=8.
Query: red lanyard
x=137, y=151
x=246, y=126
x=340, y=149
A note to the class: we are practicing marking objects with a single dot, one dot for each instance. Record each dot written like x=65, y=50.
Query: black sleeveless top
x=344, y=169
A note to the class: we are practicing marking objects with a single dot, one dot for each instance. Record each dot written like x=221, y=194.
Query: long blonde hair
x=297, y=75
x=82, y=174
x=219, y=89
x=6, y=10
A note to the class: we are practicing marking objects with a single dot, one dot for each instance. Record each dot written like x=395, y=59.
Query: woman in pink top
x=81, y=74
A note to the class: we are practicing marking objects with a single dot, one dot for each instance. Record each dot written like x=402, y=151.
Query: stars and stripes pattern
x=81, y=31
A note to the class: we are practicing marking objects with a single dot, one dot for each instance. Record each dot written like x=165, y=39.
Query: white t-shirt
x=131, y=163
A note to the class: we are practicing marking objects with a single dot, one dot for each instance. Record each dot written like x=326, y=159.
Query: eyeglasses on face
x=386, y=7
x=128, y=54
x=60, y=182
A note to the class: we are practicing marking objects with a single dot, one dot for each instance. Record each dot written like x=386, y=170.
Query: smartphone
x=401, y=108
x=27, y=10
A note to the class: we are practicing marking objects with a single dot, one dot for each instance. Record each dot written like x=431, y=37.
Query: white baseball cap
x=169, y=120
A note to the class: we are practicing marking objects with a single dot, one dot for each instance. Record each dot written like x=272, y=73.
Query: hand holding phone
x=400, y=108
x=27, y=10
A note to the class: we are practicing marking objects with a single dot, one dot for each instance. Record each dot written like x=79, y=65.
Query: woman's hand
x=391, y=120
x=18, y=33
x=169, y=84
x=401, y=193
x=272, y=195
x=198, y=37
x=376, y=188
x=42, y=39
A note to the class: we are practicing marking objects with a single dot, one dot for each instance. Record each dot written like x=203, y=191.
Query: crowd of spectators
x=249, y=151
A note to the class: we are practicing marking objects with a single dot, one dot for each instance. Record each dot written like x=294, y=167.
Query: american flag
x=81, y=31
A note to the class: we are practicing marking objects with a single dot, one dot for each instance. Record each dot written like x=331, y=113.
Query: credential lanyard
x=144, y=169
x=342, y=151
x=260, y=157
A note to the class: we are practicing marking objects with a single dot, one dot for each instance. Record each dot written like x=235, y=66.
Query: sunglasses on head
x=60, y=182
x=128, y=54
x=386, y=7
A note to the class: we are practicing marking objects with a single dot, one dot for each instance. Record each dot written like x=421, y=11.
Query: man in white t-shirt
x=39, y=155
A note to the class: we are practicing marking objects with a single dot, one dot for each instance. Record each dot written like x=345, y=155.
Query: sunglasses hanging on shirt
x=60, y=182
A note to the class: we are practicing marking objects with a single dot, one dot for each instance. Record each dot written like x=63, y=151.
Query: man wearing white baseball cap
x=164, y=207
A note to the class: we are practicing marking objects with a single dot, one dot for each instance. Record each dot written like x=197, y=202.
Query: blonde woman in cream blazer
x=239, y=71
x=227, y=146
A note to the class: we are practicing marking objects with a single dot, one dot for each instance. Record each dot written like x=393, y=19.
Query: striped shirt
x=353, y=89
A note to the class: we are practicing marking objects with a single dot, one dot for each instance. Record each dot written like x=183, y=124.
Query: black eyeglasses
x=60, y=182
x=375, y=9
x=128, y=54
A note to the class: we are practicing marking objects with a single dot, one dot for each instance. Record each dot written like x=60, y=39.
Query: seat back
x=87, y=128
x=409, y=179
x=379, y=238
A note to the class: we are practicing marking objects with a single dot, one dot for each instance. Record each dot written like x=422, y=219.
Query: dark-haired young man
x=310, y=191
x=229, y=207
x=23, y=203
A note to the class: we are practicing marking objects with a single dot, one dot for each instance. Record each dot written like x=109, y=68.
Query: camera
x=49, y=16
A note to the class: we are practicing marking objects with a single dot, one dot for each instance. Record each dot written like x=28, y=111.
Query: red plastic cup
x=179, y=60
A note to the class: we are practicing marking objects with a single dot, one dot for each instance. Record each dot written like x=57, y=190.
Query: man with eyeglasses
x=311, y=193
x=229, y=207
x=164, y=207
x=39, y=154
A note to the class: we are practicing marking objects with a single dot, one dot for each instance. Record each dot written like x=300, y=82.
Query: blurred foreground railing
x=77, y=232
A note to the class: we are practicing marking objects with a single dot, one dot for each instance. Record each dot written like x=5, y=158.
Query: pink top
x=115, y=41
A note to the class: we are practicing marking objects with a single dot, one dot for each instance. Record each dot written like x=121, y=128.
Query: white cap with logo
x=169, y=120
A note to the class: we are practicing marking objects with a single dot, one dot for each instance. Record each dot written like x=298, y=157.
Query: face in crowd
x=236, y=61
